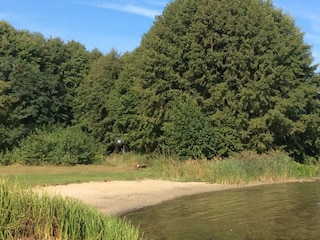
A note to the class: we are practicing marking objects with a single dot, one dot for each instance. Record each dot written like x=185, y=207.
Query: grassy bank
x=29, y=215
x=238, y=169
x=116, y=167
x=26, y=215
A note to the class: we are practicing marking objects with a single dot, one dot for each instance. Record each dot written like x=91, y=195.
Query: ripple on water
x=278, y=211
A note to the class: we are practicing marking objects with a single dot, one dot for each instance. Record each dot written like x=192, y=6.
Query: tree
x=91, y=101
x=69, y=64
x=188, y=133
x=244, y=62
x=31, y=99
x=38, y=78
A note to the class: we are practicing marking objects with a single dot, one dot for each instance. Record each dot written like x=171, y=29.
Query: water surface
x=270, y=212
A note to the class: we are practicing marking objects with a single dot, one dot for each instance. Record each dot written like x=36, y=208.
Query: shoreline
x=119, y=197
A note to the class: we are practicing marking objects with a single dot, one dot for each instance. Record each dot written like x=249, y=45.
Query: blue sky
x=119, y=24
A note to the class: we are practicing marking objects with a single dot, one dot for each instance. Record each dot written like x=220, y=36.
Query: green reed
x=26, y=214
x=238, y=169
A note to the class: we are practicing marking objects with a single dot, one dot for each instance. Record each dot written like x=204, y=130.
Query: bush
x=61, y=146
x=187, y=133
x=4, y=160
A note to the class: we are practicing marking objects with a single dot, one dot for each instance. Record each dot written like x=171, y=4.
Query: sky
x=120, y=24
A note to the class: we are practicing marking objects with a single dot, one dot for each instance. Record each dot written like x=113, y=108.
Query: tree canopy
x=210, y=77
x=91, y=100
x=245, y=64
x=38, y=78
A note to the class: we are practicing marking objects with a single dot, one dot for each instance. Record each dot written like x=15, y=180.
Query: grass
x=26, y=214
x=238, y=169
x=116, y=167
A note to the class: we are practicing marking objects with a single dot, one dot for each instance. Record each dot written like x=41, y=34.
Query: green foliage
x=124, y=118
x=244, y=62
x=91, y=100
x=188, y=133
x=60, y=146
x=38, y=78
x=30, y=215
x=241, y=168
x=4, y=159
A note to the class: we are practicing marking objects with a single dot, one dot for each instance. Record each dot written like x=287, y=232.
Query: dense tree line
x=38, y=79
x=209, y=78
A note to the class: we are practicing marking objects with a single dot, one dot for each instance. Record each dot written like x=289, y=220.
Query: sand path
x=117, y=197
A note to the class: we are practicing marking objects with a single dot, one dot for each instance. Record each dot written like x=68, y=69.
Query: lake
x=277, y=211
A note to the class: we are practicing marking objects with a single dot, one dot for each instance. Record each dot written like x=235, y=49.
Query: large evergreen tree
x=244, y=62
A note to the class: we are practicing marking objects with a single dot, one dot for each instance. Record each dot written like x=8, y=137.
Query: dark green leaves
x=243, y=62
x=91, y=104
x=38, y=78
x=188, y=133
x=209, y=78
x=58, y=146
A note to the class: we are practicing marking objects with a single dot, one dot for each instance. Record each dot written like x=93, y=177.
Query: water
x=270, y=212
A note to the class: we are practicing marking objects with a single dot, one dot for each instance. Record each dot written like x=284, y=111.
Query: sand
x=118, y=197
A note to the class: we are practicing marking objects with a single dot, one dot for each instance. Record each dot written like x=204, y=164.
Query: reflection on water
x=279, y=211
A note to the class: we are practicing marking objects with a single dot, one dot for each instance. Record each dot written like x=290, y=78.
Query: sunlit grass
x=26, y=214
x=239, y=169
x=115, y=167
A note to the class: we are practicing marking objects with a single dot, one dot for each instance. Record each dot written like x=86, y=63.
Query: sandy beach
x=117, y=197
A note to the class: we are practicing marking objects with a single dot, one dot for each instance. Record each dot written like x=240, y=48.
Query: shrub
x=187, y=133
x=60, y=146
x=4, y=159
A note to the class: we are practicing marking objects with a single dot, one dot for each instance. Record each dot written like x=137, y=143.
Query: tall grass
x=238, y=169
x=26, y=214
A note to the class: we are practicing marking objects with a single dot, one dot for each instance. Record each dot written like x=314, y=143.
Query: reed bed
x=26, y=214
x=238, y=169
